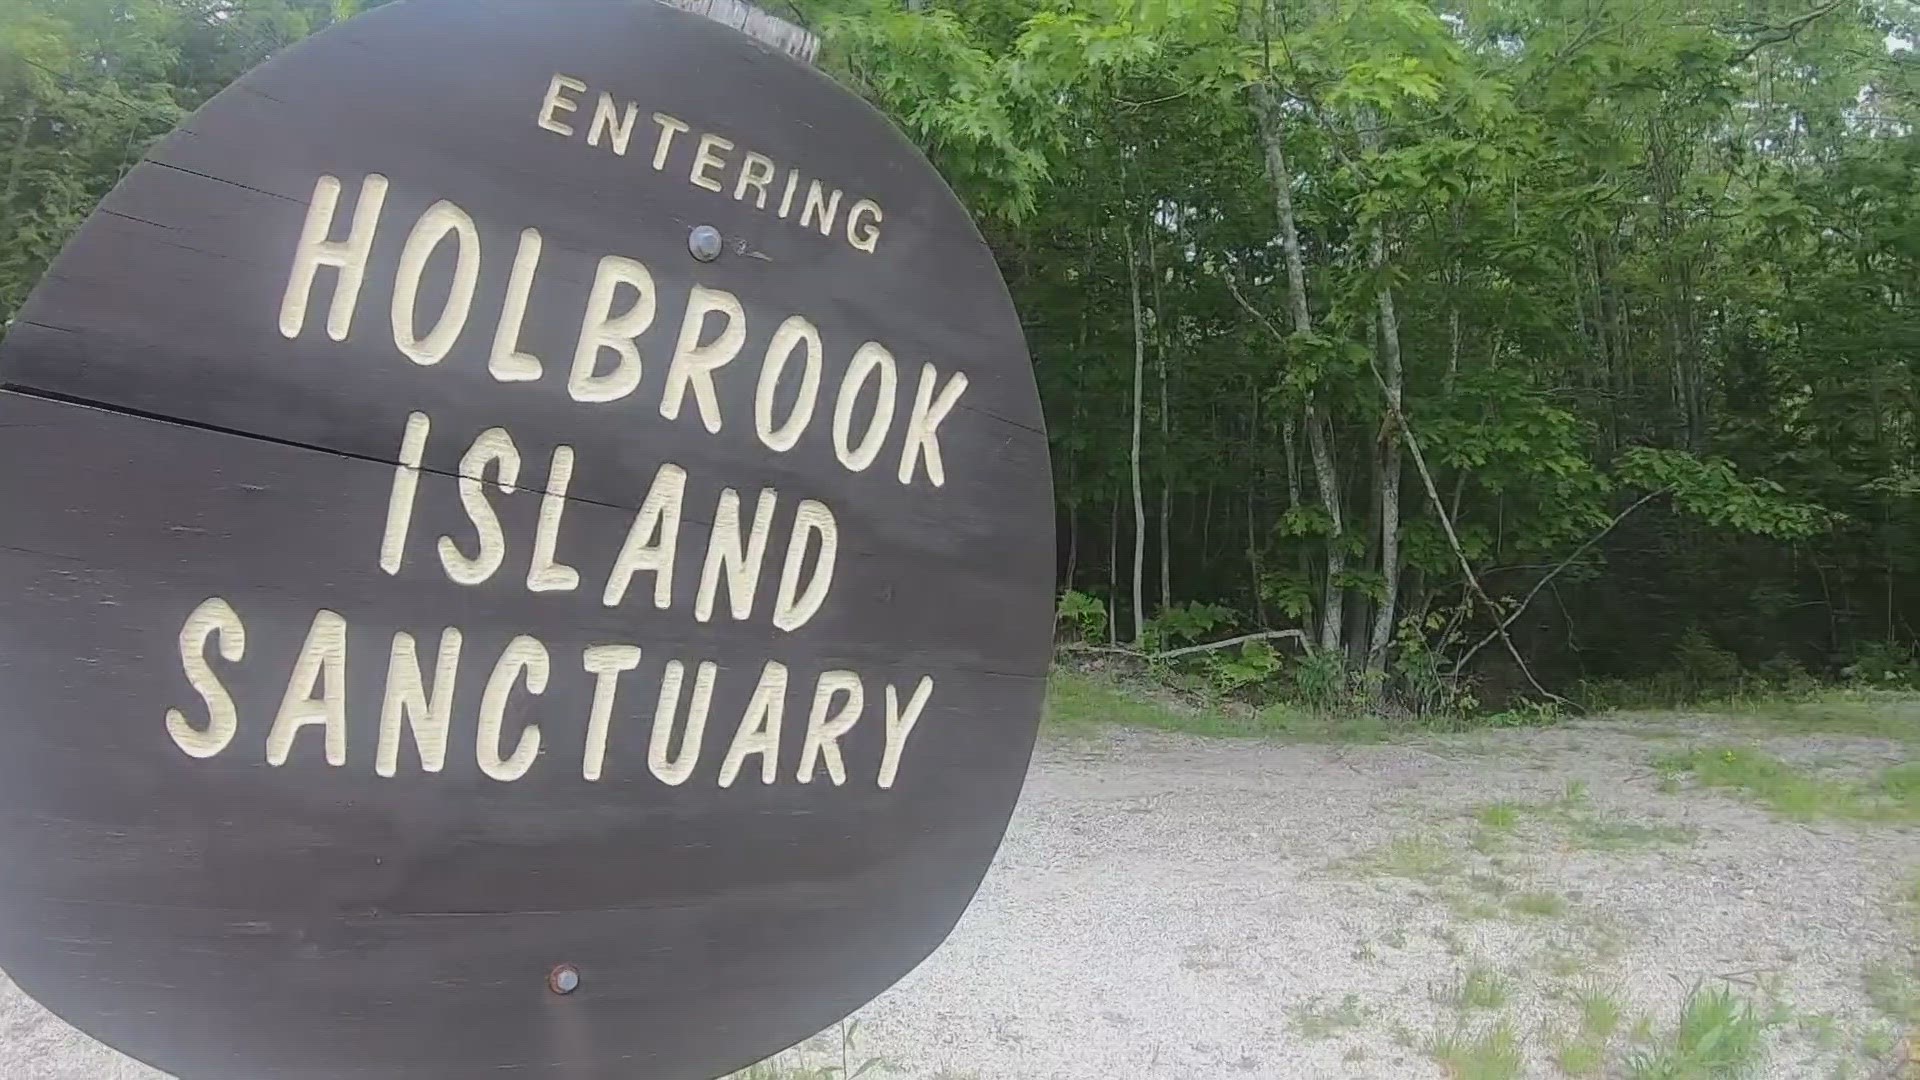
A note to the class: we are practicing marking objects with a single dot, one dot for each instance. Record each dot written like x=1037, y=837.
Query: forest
x=1437, y=355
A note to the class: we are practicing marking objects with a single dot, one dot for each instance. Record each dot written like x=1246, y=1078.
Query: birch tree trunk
x=1389, y=346
x=1160, y=358
x=1253, y=538
x=1319, y=439
x=1319, y=443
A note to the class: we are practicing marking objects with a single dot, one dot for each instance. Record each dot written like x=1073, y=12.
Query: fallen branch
x=1265, y=635
x=1461, y=664
x=1189, y=650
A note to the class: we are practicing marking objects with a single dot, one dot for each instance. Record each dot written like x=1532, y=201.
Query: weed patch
x=1537, y=904
x=1821, y=1031
x=1314, y=1021
x=1487, y=1055
x=1717, y=1037
x=1798, y=793
x=1479, y=988
x=1492, y=1054
x=1581, y=1057
x=1415, y=856
x=1582, y=826
x=1605, y=834
x=1600, y=1012
x=1499, y=817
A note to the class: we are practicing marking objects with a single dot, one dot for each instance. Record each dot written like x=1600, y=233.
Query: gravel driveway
x=1166, y=906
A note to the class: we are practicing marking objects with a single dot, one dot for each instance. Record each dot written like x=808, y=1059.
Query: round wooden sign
x=527, y=552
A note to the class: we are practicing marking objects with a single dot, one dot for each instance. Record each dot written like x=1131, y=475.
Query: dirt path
x=1184, y=908
x=1173, y=907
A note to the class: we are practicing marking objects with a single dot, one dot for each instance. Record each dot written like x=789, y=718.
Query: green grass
x=1291, y=724
x=1718, y=1037
x=1584, y=1052
x=1537, y=904
x=1894, y=992
x=1643, y=1033
x=1491, y=884
x=1315, y=1022
x=1600, y=1011
x=1493, y=1054
x=1480, y=988
x=1798, y=793
x=1581, y=1057
x=1467, y=907
x=1417, y=856
x=1500, y=817
x=1907, y=902
x=1873, y=714
x=1821, y=1030
x=1571, y=813
x=1079, y=703
x=1606, y=834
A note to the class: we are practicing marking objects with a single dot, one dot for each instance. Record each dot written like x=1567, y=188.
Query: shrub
x=1231, y=670
x=1702, y=664
x=1188, y=624
x=1883, y=666
x=1080, y=617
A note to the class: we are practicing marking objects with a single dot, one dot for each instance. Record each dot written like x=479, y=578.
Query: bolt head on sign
x=452, y=630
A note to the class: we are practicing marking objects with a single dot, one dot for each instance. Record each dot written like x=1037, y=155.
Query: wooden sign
x=527, y=552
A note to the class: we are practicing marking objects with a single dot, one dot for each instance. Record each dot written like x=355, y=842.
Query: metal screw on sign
x=564, y=979
x=704, y=243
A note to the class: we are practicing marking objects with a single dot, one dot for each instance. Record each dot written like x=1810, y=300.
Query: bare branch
x=1554, y=573
x=1453, y=539
x=1786, y=31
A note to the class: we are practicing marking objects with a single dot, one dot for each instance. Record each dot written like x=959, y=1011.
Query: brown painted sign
x=527, y=552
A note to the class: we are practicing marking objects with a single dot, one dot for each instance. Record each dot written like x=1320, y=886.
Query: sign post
x=528, y=551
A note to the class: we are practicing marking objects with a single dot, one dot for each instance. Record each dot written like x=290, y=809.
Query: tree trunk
x=1139, y=504
x=1319, y=439
x=1289, y=431
x=1388, y=343
x=1334, y=605
x=1073, y=543
x=1160, y=356
x=1253, y=534
x=1113, y=573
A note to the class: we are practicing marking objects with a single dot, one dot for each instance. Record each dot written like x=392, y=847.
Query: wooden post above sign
x=528, y=552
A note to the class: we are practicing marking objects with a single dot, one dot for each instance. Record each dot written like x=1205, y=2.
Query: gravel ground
x=1174, y=907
